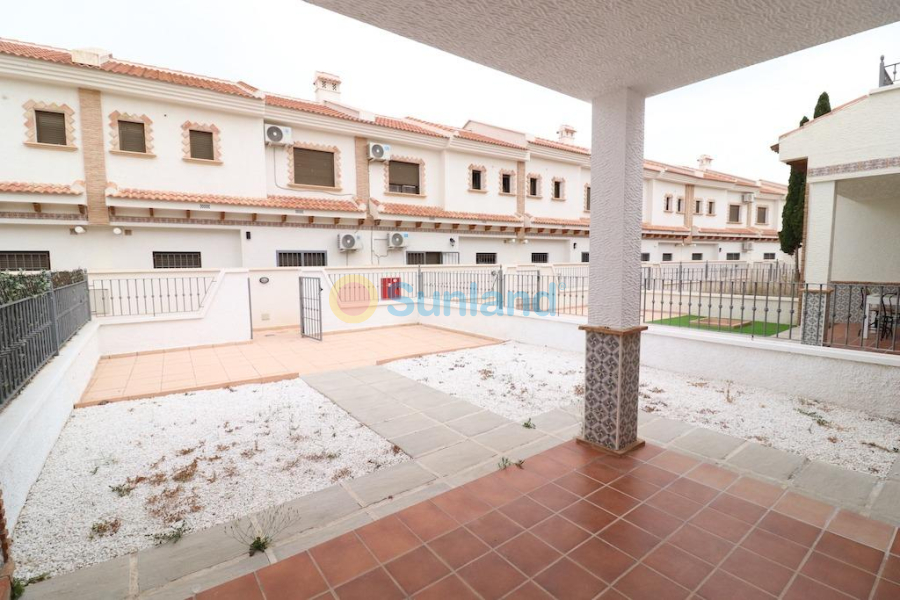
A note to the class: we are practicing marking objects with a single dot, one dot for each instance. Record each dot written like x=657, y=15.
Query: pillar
x=819, y=243
x=613, y=342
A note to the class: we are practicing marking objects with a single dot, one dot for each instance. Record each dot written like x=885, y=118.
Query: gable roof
x=291, y=202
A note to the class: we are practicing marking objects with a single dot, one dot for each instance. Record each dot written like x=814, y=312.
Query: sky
x=277, y=45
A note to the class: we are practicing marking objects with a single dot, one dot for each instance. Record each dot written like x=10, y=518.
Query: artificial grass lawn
x=760, y=328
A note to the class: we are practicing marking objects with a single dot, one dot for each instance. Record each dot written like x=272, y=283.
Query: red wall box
x=390, y=288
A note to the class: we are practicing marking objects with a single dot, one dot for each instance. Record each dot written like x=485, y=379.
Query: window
x=697, y=256
x=734, y=213
x=540, y=257
x=176, y=260
x=762, y=215
x=314, y=167
x=427, y=258
x=485, y=258
x=587, y=198
x=645, y=257
x=302, y=259
x=476, y=179
x=506, y=183
x=667, y=203
x=711, y=208
x=585, y=257
x=667, y=257
x=132, y=137
x=403, y=178
x=51, y=127
x=732, y=256
x=28, y=261
x=202, y=145
x=559, y=189
x=534, y=186
x=768, y=256
x=679, y=206
x=698, y=207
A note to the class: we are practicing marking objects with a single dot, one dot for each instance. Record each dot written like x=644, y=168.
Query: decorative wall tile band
x=864, y=165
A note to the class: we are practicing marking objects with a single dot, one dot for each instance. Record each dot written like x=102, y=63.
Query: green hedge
x=18, y=285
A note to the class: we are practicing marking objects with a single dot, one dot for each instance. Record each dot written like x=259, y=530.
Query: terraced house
x=110, y=164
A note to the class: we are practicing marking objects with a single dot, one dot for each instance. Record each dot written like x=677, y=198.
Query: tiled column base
x=814, y=318
x=612, y=378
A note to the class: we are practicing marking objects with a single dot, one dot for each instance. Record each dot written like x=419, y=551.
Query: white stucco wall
x=278, y=179
x=866, y=240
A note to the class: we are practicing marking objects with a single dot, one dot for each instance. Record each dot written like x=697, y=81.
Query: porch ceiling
x=878, y=188
x=585, y=48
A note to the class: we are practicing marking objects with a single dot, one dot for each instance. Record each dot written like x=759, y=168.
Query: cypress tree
x=823, y=106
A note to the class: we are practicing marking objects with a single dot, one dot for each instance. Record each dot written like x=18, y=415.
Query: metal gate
x=311, y=308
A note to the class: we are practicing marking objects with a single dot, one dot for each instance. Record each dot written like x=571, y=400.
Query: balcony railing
x=887, y=74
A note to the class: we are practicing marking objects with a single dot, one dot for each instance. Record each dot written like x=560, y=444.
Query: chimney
x=328, y=87
x=91, y=57
x=704, y=161
x=566, y=134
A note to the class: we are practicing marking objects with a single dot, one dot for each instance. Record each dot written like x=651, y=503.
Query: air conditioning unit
x=398, y=239
x=348, y=242
x=747, y=198
x=747, y=246
x=276, y=135
x=379, y=152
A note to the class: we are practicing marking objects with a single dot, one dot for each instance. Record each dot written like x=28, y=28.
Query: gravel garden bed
x=519, y=381
x=128, y=475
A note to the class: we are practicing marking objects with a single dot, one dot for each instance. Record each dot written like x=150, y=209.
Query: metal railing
x=863, y=316
x=717, y=271
x=32, y=330
x=887, y=74
x=152, y=296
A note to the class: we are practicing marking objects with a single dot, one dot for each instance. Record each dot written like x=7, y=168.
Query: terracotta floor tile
x=426, y=520
x=524, y=479
x=458, y=547
x=528, y=591
x=374, y=584
x=611, y=594
x=789, y=528
x=553, y=497
x=578, y=484
x=342, y=558
x=755, y=569
x=629, y=538
x=545, y=466
x=491, y=576
x=242, y=588
x=588, y=516
x=600, y=472
x=526, y=512
x=895, y=547
x=892, y=568
x=643, y=584
x=861, y=529
x=295, y=577
x=804, y=588
x=721, y=524
x=634, y=487
x=613, y=500
x=737, y=508
x=701, y=544
x=886, y=590
x=571, y=459
x=859, y=555
x=804, y=509
x=693, y=490
x=602, y=559
x=461, y=505
x=416, y=570
x=448, y=587
x=675, y=504
x=565, y=579
x=839, y=575
x=654, y=475
x=494, y=528
x=755, y=491
x=674, y=461
x=654, y=520
x=560, y=533
x=646, y=452
x=622, y=464
x=712, y=476
x=722, y=586
x=387, y=538
x=775, y=548
x=528, y=553
x=679, y=566
x=492, y=492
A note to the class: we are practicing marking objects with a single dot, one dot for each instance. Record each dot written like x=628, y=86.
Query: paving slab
x=397, y=504
x=706, y=442
x=451, y=411
x=529, y=450
x=108, y=579
x=663, y=430
x=477, y=423
x=455, y=458
x=381, y=413
x=555, y=420
x=403, y=425
x=320, y=508
x=424, y=399
x=188, y=586
x=895, y=470
x=769, y=462
x=373, y=374
x=887, y=504
x=392, y=481
x=287, y=548
x=644, y=417
x=509, y=436
x=427, y=440
x=398, y=386
x=850, y=488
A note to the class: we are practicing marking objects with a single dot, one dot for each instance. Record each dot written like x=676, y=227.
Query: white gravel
x=254, y=446
x=492, y=377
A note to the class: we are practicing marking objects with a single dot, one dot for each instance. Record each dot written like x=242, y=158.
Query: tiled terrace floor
x=574, y=523
x=270, y=356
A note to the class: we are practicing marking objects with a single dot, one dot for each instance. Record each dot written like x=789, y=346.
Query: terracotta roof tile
x=673, y=228
x=307, y=106
x=413, y=210
x=770, y=187
x=402, y=125
x=469, y=135
x=560, y=146
x=736, y=231
x=582, y=222
x=291, y=202
x=18, y=187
